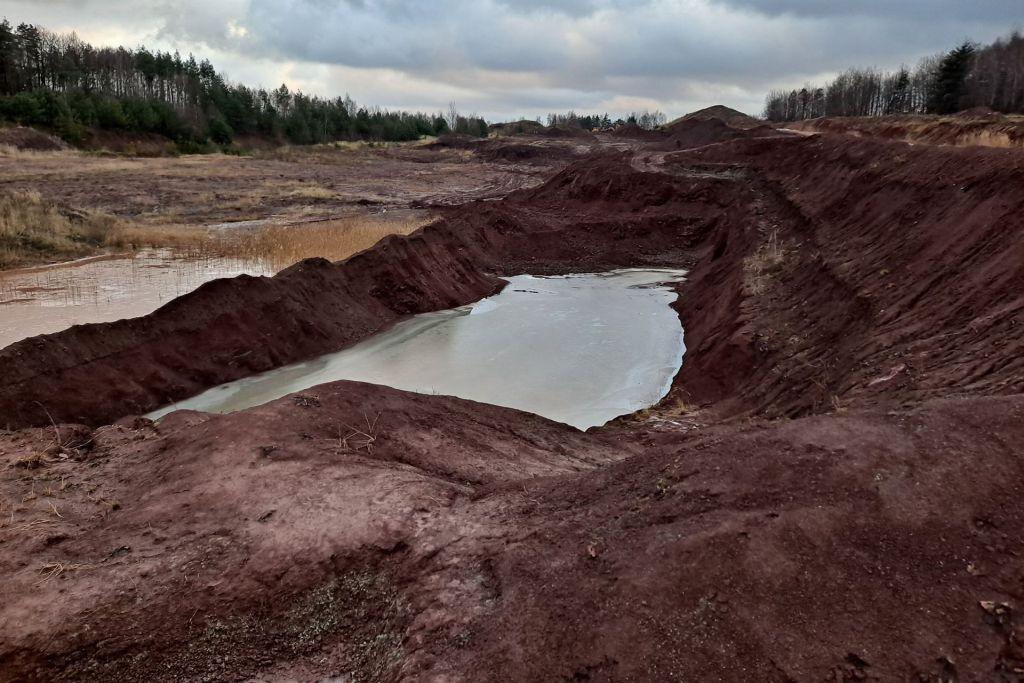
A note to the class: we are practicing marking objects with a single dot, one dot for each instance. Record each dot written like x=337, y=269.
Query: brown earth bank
x=976, y=127
x=23, y=139
x=832, y=489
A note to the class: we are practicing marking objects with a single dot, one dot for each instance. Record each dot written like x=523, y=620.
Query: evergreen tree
x=950, y=80
x=8, y=59
x=60, y=82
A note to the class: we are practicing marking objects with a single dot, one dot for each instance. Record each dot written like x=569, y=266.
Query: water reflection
x=52, y=298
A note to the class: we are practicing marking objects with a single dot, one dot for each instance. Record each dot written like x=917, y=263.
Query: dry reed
x=279, y=246
x=33, y=230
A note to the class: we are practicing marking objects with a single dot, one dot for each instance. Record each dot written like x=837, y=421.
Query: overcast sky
x=511, y=58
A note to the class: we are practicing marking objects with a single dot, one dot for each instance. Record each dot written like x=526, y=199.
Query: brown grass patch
x=991, y=138
x=312, y=191
x=280, y=246
x=180, y=237
x=33, y=230
x=337, y=152
x=12, y=152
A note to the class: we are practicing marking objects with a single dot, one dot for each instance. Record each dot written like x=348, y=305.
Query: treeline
x=967, y=76
x=645, y=119
x=59, y=82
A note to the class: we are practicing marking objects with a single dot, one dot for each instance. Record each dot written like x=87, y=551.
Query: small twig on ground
x=361, y=438
x=31, y=462
x=56, y=430
x=52, y=570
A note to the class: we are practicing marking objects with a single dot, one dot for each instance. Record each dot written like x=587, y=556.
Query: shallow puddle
x=52, y=298
x=580, y=349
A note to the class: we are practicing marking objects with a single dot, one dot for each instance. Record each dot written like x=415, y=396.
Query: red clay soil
x=691, y=133
x=900, y=276
x=532, y=152
x=832, y=489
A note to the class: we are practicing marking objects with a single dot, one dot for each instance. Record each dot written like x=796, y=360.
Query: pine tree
x=8, y=59
x=950, y=80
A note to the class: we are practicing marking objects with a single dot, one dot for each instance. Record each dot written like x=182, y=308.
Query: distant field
x=64, y=204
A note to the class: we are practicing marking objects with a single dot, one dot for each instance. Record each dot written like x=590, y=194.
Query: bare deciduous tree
x=993, y=78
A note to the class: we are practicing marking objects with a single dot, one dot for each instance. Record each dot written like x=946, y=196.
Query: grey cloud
x=514, y=56
x=469, y=34
x=573, y=8
x=929, y=10
x=663, y=39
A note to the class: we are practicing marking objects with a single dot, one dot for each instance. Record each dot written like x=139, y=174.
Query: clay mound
x=978, y=113
x=635, y=132
x=303, y=311
x=454, y=141
x=524, y=152
x=699, y=132
x=718, y=112
x=566, y=132
x=951, y=261
x=31, y=140
x=694, y=133
x=604, y=180
x=524, y=127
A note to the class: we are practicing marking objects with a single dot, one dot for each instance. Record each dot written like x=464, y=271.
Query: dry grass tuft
x=180, y=237
x=52, y=570
x=280, y=246
x=30, y=228
x=337, y=152
x=313, y=191
x=32, y=461
x=12, y=152
x=33, y=230
x=991, y=138
x=357, y=438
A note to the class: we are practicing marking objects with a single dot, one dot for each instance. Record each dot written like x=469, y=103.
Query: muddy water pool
x=579, y=349
x=52, y=298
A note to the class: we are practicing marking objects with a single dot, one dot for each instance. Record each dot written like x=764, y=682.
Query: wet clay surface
x=830, y=491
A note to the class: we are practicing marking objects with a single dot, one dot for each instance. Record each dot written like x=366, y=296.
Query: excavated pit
x=579, y=349
x=830, y=489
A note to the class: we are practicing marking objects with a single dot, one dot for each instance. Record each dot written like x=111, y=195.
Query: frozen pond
x=580, y=349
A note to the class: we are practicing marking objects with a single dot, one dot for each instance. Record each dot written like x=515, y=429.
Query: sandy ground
x=292, y=184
